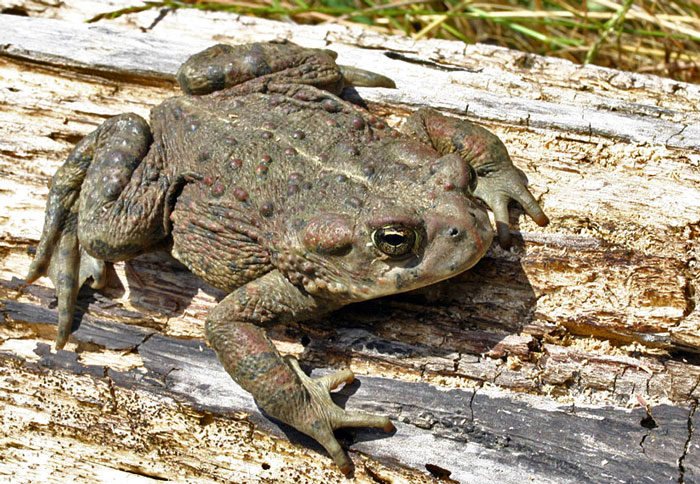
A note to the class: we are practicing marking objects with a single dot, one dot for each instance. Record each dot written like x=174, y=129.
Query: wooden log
x=592, y=319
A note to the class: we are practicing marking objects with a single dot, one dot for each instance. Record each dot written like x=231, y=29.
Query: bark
x=573, y=357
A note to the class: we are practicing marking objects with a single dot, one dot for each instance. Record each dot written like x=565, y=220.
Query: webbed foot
x=498, y=180
x=69, y=267
x=497, y=186
x=59, y=254
x=322, y=416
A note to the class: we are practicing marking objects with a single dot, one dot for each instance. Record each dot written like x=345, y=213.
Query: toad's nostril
x=453, y=231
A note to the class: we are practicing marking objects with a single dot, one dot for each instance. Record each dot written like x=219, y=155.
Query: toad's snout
x=459, y=234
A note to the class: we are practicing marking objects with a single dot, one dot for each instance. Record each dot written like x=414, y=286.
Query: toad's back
x=259, y=165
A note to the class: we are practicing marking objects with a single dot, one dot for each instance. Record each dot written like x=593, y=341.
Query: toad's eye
x=472, y=179
x=395, y=240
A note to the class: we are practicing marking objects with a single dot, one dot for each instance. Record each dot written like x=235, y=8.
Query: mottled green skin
x=267, y=185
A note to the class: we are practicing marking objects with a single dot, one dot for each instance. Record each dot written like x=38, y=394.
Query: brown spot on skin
x=266, y=159
x=207, y=180
x=290, y=151
x=217, y=190
x=332, y=123
x=266, y=209
x=236, y=163
x=295, y=178
x=268, y=125
x=292, y=190
x=266, y=134
x=323, y=157
x=354, y=202
x=298, y=134
x=240, y=194
x=261, y=170
x=215, y=227
x=204, y=156
x=330, y=106
x=357, y=122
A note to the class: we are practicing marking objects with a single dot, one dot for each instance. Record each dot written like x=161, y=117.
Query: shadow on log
x=570, y=358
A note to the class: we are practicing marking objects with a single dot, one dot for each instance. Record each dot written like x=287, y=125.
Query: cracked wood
x=618, y=263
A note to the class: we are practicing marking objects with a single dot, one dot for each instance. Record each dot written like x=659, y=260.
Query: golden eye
x=395, y=240
x=472, y=179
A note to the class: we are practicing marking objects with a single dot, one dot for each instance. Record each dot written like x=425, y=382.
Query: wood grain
x=570, y=358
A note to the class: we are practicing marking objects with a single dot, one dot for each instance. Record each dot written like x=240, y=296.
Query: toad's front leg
x=498, y=180
x=235, y=329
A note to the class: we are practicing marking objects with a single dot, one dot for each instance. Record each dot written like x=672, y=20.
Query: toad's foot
x=236, y=329
x=252, y=67
x=321, y=415
x=497, y=186
x=68, y=266
x=98, y=211
x=59, y=254
x=353, y=76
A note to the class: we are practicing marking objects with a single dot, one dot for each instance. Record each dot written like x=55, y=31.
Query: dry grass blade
x=612, y=24
x=650, y=35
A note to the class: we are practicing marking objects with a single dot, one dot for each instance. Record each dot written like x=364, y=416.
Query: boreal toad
x=295, y=202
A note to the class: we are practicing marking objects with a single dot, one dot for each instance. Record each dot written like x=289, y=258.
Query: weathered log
x=592, y=319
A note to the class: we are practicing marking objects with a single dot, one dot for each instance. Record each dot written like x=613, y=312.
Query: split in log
x=570, y=358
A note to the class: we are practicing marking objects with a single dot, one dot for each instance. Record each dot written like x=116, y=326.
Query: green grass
x=655, y=36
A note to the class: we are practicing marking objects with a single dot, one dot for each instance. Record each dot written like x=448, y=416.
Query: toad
x=269, y=186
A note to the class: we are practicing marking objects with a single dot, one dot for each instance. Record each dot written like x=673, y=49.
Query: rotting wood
x=619, y=262
x=473, y=434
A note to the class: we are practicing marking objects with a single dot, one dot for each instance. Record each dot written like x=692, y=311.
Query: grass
x=655, y=36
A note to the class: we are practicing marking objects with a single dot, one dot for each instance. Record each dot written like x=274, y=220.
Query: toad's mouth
x=457, y=235
x=432, y=269
x=439, y=262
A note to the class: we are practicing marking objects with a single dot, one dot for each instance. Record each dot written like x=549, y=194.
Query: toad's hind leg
x=259, y=67
x=103, y=204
